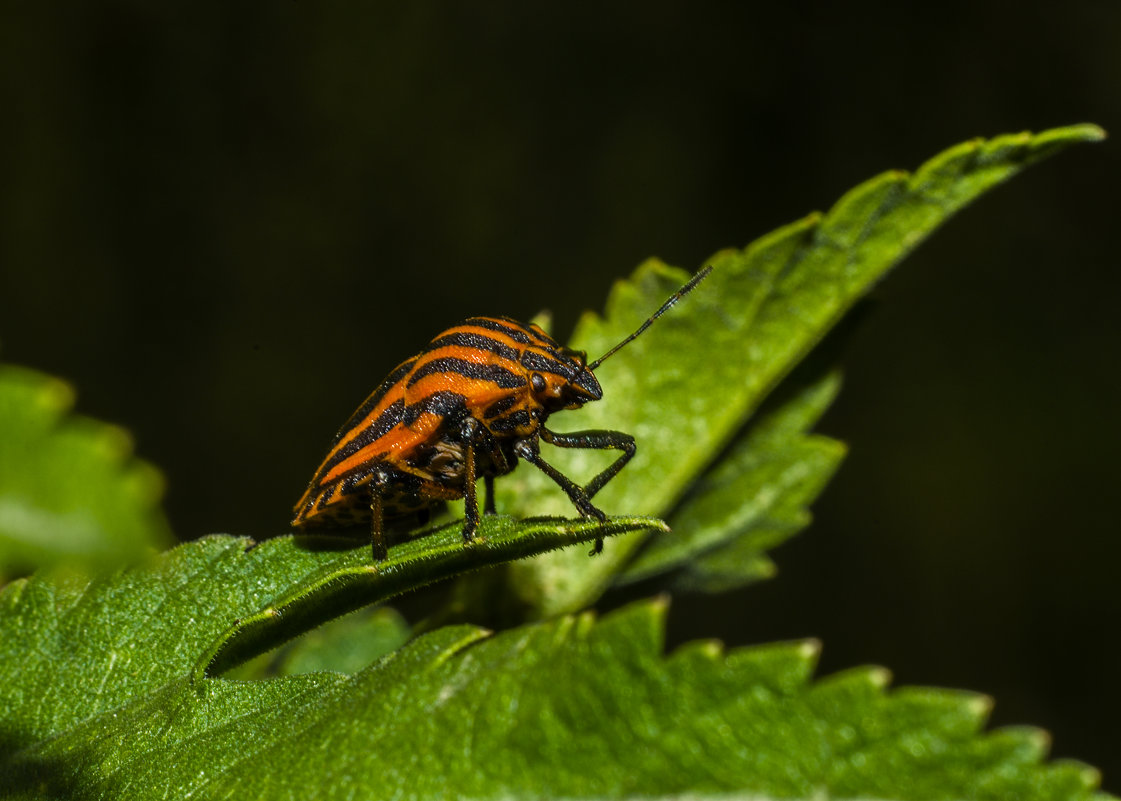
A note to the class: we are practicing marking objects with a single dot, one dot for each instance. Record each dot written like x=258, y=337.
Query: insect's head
x=559, y=377
x=562, y=378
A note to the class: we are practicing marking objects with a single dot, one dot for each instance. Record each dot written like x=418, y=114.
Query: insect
x=471, y=404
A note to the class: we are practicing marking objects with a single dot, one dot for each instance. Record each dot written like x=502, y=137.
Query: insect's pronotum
x=471, y=404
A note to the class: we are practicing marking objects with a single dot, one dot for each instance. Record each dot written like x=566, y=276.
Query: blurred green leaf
x=70, y=488
x=572, y=708
x=688, y=385
x=755, y=499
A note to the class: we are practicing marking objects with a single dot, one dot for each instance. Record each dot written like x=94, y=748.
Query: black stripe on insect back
x=476, y=342
x=543, y=364
x=371, y=402
x=449, y=405
x=379, y=428
x=518, y=419
x=506, y=379
x=501, y=406
x=353, y=483
x=512, y=329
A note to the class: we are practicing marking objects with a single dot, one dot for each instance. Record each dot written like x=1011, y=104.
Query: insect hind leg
x=471, y=432
x=378, y=484
x=490, y=508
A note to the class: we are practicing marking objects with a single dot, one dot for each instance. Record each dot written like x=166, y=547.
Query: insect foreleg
x=527, y=449
x=599, y=440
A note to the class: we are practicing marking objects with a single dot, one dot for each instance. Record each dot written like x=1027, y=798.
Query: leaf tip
x=712, y=649
x=56, y=395
x=544, y=319
x=979, y=706
x=115, y=442
x=879, y=677
x=810, y=649
x=659, y=604
x=1089, y=776
x=1080, y=132
x=1039, y=740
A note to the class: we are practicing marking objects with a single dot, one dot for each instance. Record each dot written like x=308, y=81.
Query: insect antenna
x=678, y=295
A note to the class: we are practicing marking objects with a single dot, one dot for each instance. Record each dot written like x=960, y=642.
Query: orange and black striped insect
x=471, y=404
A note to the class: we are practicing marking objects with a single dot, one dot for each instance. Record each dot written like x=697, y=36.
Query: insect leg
x=599, y=440
x=500, y=463
x=490, y=508
x=470, y=432
x=527, y=449
x=377, y=532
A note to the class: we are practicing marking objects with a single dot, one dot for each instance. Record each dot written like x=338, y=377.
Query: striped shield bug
x=471, y=404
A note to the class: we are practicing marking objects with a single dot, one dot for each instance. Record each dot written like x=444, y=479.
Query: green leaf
x=755, y=499
x=344, y=645
x=69, y=486
x=573, y=708
x=688, y=385
x=213, y=603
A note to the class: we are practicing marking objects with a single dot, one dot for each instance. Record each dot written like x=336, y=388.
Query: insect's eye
x=537, y=382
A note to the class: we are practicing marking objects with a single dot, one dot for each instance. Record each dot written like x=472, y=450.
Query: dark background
x=225, y=223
